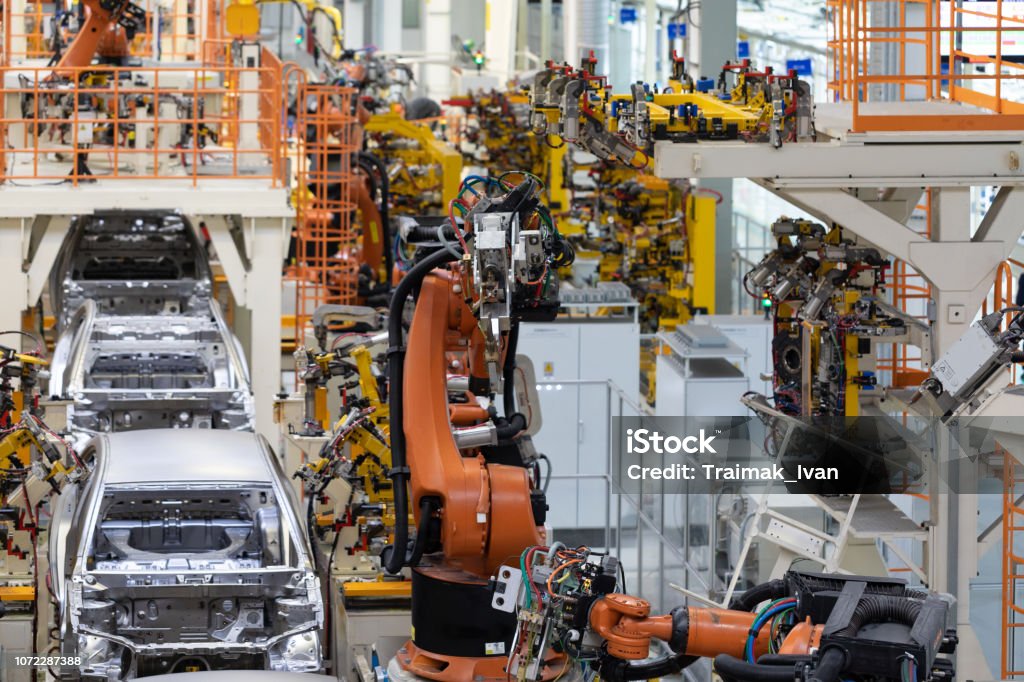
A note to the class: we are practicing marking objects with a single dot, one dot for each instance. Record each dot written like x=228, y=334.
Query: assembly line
x=399, y=364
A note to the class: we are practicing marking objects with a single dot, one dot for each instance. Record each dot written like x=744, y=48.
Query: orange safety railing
x=170, y=123
x=920, y=37
x=327, y=262
x=23, y=29
x=1003, y=298
x=1013, y=561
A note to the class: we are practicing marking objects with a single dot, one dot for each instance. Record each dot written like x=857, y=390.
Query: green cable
x=526, y=578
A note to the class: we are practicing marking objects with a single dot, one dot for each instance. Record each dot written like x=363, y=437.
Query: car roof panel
x=184, y=455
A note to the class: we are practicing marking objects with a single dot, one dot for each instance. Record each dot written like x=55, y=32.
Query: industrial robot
x=804, y=626
x=467, y=459
x=109, y=27
x=32, y=469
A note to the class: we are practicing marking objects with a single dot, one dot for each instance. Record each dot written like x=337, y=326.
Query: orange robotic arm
x=468, y=469
x=814, y=627
x=476, y=498
x=109, y=24
x=626, y=624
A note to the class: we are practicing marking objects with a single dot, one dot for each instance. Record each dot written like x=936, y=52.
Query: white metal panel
x=670, y=388
x=608, y=351
x=680, y=395
x=810, y=164
x=554, y=349
x=754, y=335
x=15, y=640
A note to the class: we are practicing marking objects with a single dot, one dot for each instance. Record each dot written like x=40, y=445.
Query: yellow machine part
x=850, y=363
x=700, y=227
x=320, y=412
x=554, y=173
x=448, y=159
x=242, y=18
x=377, y=590
x=660, y=107
x=17, y=593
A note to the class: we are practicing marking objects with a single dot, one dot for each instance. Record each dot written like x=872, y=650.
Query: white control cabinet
x=752, y=333
x=700, y=373
x=575, y=431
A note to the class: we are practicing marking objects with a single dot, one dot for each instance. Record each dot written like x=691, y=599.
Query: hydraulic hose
x=830, y=666
x=512, y=426
x=783, y=659
x=773, y=589
x=385, y=199
x=396, y=376
x=508, y=372
x=421, y=233
x=427, y=507
x=616, y=670
x=732, y=669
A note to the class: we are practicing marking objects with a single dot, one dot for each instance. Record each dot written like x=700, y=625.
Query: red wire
x=455, y=226
x=714, y=193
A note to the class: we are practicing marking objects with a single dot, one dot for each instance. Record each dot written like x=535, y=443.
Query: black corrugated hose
x=617, y=670
x=732, y=669
x=385, y=198
x=396, y=558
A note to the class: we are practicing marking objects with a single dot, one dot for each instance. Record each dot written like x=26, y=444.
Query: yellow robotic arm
x=15, y=443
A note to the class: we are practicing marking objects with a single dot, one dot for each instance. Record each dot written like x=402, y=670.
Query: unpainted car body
x=183, y=550
x=143, y=343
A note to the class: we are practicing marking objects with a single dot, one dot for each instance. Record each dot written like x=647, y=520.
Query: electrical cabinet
x=573, y=360
x=754, y=335
x=700, y=373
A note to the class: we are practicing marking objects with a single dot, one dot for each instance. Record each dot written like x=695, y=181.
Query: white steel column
x=265, y=241
x=546, y=19
x=717, y=21
x=45, y=255
x=651, y=41
x=254, y=277
x=570, y=31
x=248, y=101
x=437, y=30
x=499, y=41
x=15, y=298
x=386, y=20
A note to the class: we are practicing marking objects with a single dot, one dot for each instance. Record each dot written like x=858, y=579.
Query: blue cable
x=471, y=180
x=759, y=623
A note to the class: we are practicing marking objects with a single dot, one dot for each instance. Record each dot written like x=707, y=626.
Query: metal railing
x=326, y=135
x=643, y=518
x=189, y=124
x=902, y=50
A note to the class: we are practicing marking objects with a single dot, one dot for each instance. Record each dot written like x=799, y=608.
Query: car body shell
x=183, y=550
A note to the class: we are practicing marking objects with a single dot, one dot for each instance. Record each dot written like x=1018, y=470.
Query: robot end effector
x=958, y=380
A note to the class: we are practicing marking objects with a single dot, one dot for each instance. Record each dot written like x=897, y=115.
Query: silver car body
x=184, y=550
x=130, y=263
x=143, y=343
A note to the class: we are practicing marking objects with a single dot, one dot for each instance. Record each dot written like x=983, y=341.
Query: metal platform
x=210, y=196
x=846, y=159
x=875, y=517
x=247, y=221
